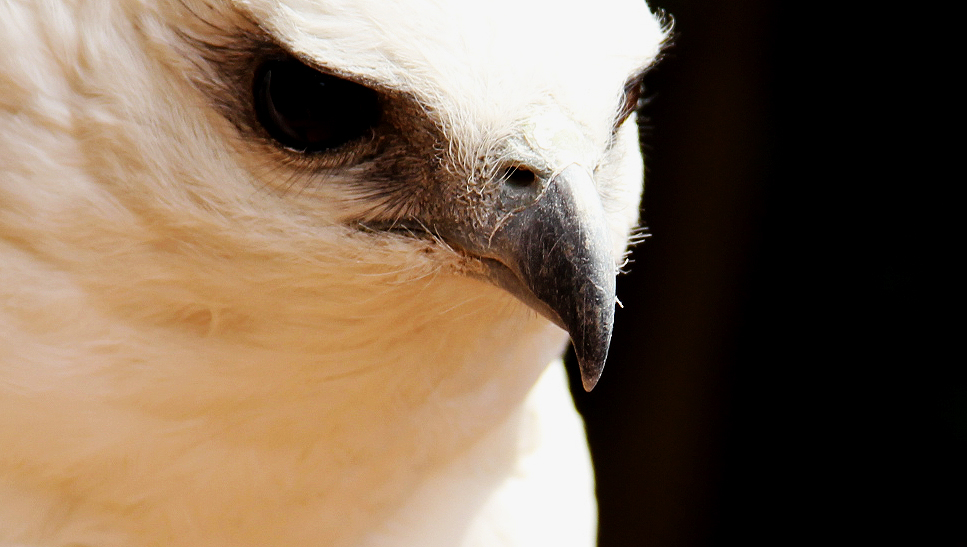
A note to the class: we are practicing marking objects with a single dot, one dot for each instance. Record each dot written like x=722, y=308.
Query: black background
x=785, y=369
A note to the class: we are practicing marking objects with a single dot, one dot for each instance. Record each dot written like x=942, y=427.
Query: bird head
x=286, y=145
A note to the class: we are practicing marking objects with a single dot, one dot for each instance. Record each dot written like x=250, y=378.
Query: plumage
x=230, y=315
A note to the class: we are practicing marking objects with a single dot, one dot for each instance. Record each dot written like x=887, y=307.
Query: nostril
x=519, y=177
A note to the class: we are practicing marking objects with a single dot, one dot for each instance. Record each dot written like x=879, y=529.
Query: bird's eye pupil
x=311, y=111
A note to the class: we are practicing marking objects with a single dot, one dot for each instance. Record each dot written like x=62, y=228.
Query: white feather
x=188, y=359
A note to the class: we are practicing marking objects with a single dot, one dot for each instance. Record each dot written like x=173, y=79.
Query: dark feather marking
x=400, y=168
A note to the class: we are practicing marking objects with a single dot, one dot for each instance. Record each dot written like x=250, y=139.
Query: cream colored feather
x=197, y=349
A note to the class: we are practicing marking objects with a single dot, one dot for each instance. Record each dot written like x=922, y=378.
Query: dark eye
x=311, y=111
x=633, y=91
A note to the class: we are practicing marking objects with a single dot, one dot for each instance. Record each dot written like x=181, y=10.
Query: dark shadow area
x=784, y=368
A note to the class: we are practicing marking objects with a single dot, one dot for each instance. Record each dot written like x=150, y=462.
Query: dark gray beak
x=551, y=249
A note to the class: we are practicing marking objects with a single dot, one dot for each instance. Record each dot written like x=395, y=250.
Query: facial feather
x=207, y=338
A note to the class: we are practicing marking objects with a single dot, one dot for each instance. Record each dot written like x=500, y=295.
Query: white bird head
x=219, y=217
x=497, y=133
x=492, y=139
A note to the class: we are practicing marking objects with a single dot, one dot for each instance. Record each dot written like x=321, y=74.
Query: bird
x=301, y=272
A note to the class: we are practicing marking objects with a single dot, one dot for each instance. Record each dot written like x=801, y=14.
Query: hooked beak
x=552, y=250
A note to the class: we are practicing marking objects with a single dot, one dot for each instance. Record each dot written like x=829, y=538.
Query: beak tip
x=591, y=366
x=589, y=380
x=591, y=338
